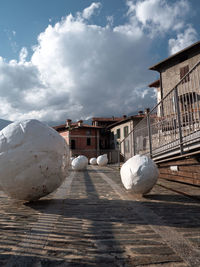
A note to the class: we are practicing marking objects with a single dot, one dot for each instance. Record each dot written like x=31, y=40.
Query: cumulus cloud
x=158, y=16
x=16, y=79
x=93, y=67
x=79, y=70
x=188, y=37
x=89, y=11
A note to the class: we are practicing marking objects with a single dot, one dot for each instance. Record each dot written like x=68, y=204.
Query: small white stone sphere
x=102, y=160
x=79, y=163
x=34, y=160
x=139, y=174
x=93, y=161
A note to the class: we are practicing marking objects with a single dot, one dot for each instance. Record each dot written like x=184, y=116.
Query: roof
x=107, y=119
x=59, y=127
x=134, y=117
x=155, y=84
x=190, y=49
x=64, y=127
x=75, y=125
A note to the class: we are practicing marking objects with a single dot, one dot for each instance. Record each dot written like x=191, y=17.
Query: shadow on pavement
x=85, y=226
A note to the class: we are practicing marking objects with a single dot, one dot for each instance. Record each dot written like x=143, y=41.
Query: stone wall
x=171, y=74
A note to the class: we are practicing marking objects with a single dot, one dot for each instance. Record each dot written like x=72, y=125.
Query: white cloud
x=79, y=70
x=23, y=54
x=188, y=37
x=158, y=16
x=92, y=67
x=131, y=29
x=89, y=11
x=110, y=20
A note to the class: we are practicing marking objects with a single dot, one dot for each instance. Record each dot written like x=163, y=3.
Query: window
x=118, y=133
x=73, y=144
x=126, y=146
x=88, y=141
x=125, y=131
x=183, y=72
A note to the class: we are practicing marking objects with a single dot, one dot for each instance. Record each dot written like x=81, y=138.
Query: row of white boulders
x=34, y=160
x=139, y=174
x=100, y=160
x=79, y=163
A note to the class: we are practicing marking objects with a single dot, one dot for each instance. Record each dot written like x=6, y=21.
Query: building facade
x=178, y=112
x=89, y=140
x=174, y=68
x=105, y=139
x=174, y=123
x=83, y=139
x=121, y=136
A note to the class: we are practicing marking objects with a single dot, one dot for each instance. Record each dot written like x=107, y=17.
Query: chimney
x=140, y=112
x=147, y=110
x=68, y=122
x=80, y=123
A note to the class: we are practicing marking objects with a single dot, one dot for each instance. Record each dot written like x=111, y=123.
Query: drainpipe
x=98, y=152
x=161, y=94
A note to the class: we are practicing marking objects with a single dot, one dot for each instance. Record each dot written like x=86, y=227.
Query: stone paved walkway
x=92, y=221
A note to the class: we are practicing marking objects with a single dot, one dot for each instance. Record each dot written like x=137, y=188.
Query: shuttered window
x=118, y=133
x=125, y=131
x=183, y=72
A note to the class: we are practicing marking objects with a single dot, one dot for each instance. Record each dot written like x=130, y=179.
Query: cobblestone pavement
x=92, y=221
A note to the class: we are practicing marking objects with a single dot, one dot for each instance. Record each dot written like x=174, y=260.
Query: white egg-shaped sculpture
x=34, y=160
x=80, y=163
x=83, y=158
x=139, y=174
x=102, y=160
x=93, y=161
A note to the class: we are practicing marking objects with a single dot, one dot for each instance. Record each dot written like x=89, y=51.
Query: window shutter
x=183, y=71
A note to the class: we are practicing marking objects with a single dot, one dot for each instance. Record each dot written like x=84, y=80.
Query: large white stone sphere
x=34, y=160
x=102, y=160
x=93, y=161
x=79, y=163
x=139, y=174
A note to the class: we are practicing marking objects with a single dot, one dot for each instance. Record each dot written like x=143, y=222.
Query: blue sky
x=94, y=62
x=22, y=21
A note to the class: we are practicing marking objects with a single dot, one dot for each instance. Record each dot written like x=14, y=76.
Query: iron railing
x=172, y=126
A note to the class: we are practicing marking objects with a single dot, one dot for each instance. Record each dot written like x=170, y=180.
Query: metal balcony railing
x=172, y=126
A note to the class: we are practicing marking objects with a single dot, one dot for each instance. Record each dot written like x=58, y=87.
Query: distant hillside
x=4, y=123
